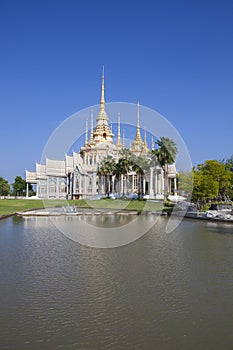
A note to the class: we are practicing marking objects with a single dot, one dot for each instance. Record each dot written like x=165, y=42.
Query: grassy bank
x=10, y=206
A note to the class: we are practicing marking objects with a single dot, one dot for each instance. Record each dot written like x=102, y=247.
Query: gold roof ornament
x=138, y=133
x=152, y=143
x=119, y=128
x=102, y=116
x=146, y=149
x=91, y=133
x=86, y=137
x=145, y=137
x=119, y=143
x=102, y=130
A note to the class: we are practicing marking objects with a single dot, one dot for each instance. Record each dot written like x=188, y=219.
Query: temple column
x=156, y=183
x=71, y=184
x=57, y=187
x=37, y=188
x=144, y=186
x=122, y=184
x=74, y=183
x=113, y=183
x=67, y=185
x=27, y=190
x=151, y=191
x=175, y=186
x=102, y=184
x=94, y=183
x=84, y=185
x=46, y=188
x=162, y=183
x=80, y=184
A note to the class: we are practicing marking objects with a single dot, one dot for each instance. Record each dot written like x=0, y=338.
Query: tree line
x=17, y=188
x=212, y=180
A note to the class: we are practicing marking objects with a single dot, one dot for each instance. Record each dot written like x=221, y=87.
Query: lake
x=163, y=291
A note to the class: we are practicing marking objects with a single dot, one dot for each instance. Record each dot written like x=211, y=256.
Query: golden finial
x=86, y=138
x=91, y=133
x=152, y=143
x=138, y=114
x=145, y=137
x=138, y=134
x=119, y=129
x=102, y=100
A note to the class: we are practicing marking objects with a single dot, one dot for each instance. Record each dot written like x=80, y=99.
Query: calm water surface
x=164, y=291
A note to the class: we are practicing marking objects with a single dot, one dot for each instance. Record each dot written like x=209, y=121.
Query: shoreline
x=46, y=212
x=200, y=217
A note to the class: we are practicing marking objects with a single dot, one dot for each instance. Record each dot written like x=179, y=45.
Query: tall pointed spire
x=152, y=143
x=102, y=100
x=138, y=115
x=145, y=137
x=102, y=131
x=86, y=138
x=119, y=129
x=91, y=133
x=102, y=116
x=138, y=134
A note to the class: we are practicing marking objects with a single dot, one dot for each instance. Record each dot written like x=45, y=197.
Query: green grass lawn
x=138, y=205
x=10, y=206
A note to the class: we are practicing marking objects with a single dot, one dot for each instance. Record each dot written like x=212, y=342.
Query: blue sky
x=176, y=57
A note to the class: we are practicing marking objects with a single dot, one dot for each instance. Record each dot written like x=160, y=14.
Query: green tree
x=19, y=186
x=166, y=154
x=125, y=166
x=106, y=169
x=4, y=187
x=141, y=166
x=212, y=179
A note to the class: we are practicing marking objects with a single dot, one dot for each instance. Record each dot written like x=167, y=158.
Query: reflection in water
x=104, y=231
x=163, y=291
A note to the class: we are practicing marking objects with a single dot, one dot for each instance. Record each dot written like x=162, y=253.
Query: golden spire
x=86, y=138
x=102, y=116
x=145, y=137
x=102, y=100
x=119, y=129
x=138, y=134
x=102, y=131
x=91, y=133
x=152, y=143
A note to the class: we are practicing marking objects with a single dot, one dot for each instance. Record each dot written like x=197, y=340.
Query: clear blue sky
x=174, y=56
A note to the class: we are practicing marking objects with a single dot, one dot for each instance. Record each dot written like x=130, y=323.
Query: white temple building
x=78, y=175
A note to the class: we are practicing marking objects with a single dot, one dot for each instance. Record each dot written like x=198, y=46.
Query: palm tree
x=118, y=172
x=139, y=172
x=124, y=165
x=106, y=168
x=165, y=154
x=140, y=166
x=110, y=166
x=101, y=173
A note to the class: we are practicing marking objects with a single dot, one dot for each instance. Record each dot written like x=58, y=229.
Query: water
x=164, y=291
